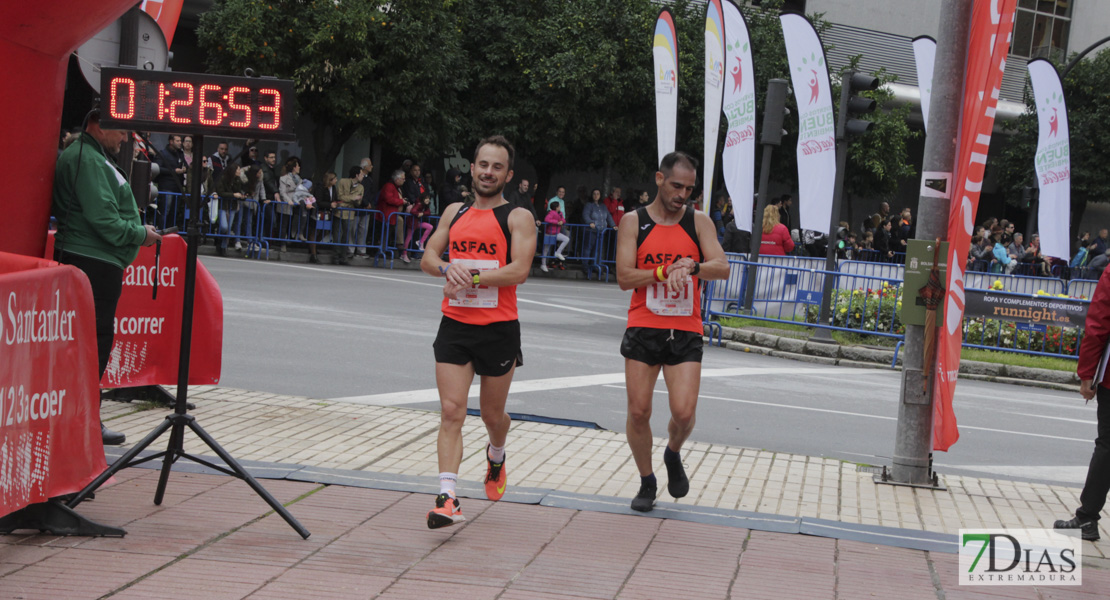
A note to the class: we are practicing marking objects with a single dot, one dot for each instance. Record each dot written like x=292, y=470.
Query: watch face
x=172, y=102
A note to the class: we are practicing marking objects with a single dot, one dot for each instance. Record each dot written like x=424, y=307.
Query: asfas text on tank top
x=480, y=239
x=655, y=306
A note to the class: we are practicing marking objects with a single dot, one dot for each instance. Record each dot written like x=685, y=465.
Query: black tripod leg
x=242, y=473
x=121, y=462
x=173, y=450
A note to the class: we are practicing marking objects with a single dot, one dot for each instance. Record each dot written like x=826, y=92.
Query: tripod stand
x=180, y=419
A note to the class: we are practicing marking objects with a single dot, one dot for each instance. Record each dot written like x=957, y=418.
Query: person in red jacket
x=1096, y=335
x=391, y=201
x=776, y=239
x=615, y=203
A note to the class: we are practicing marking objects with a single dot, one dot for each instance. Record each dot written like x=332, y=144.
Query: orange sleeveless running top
x=662, y=245
x=482, y=234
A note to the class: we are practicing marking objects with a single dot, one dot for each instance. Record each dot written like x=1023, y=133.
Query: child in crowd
x=555, y=221
x=419, y=210
x=868, y=242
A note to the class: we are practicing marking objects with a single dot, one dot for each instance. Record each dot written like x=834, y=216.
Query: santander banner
x=665, y=51
x=1053, y=160
x=924, y=55
x=809, y=75
x=714, y=84
x=148, y=328
x=991, y=25
x=49, y=402
x=738, y=159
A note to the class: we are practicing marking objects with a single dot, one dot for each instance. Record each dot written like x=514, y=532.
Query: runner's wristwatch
x=696, y=269
x=474, y=274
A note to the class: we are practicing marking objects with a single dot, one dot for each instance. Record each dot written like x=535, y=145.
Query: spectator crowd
x=355, y=218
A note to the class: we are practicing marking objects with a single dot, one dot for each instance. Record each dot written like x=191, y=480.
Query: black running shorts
x=493, y=348
x=661, y=346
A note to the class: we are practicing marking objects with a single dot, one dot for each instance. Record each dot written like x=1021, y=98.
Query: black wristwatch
x=696, y=269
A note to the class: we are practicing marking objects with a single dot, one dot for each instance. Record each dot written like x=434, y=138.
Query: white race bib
x=664, y=303
x=476, y=297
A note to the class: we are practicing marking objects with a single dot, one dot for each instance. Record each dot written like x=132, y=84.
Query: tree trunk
x=1078, y=207
x=327, y=152
x=376, y=157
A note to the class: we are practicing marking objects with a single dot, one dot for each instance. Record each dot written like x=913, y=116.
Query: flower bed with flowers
x=865, y=309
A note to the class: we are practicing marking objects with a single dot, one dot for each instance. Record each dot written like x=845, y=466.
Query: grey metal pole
x=913, y=441
x=128, y=57
x=774, y=111
x=757, y=226
x=829, y=287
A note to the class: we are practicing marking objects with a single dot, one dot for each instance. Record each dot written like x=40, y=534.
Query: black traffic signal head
x=851, y=104
x=774, y=112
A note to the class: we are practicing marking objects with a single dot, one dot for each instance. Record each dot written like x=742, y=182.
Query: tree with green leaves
x=1085, y=95
x=385, y=70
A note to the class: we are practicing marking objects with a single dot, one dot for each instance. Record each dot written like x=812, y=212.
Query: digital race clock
x=171, y=102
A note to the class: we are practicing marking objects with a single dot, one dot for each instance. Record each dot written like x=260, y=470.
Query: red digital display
x=169, y=102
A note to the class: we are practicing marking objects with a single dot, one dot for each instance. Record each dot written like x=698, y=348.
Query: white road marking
x=620, y=317
x=886, y=418
x=1064, y=474
x=577, y=381
x=1084, y=421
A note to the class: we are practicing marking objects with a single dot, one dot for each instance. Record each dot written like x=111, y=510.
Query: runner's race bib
x=664, y=303
x=476, y=297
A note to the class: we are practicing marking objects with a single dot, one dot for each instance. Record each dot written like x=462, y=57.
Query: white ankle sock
x=447, y=482
x=496, y=454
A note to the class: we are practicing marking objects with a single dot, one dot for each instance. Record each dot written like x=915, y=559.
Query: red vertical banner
x=166, y=13
x=991, y=26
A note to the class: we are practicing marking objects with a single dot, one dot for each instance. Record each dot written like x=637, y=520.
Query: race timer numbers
x=196, y=103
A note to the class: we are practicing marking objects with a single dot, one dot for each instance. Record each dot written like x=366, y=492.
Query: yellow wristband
x=659, y=273
x=475, y=280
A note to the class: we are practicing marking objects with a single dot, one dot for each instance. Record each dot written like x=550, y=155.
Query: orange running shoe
x=496, y=478
x=446, y=512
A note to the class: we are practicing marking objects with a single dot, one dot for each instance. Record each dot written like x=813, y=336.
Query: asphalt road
x=365, y=335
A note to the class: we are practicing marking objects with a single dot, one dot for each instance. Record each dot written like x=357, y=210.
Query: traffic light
x=851, y=104
x=774, y=112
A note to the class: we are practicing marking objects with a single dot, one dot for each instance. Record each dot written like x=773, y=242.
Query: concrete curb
x=759, y=342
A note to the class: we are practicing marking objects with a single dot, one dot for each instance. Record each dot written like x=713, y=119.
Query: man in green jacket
x=99, y=229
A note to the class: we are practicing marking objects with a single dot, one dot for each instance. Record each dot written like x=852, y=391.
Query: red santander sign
x=49, y=401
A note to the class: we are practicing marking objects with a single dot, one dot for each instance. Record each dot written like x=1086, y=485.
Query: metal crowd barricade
x=577, y=249
x=872, y=255
x=789, y=294
x=172, y=211
x=1019, y=284
x=1023, y=338
x=345, y=235
x=607, y=251
x=1082, y=288
x=849, y=268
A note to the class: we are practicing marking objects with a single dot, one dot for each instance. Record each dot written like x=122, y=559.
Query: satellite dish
x=103, y=49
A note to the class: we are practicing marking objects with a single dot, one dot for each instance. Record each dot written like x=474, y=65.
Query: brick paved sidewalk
x=213, y=539
x=266, y=427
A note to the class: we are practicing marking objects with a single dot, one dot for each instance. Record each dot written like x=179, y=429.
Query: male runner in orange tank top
x=491, y=244
x=663, y=250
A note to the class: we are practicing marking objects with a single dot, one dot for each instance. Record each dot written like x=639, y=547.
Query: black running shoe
x=645, y=498
x=1088, y=530
x=678, y=484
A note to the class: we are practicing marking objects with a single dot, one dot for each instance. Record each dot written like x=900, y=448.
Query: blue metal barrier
x=869, y=304
x=793, y=295
x=1082, y=288
x=1019, y=284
